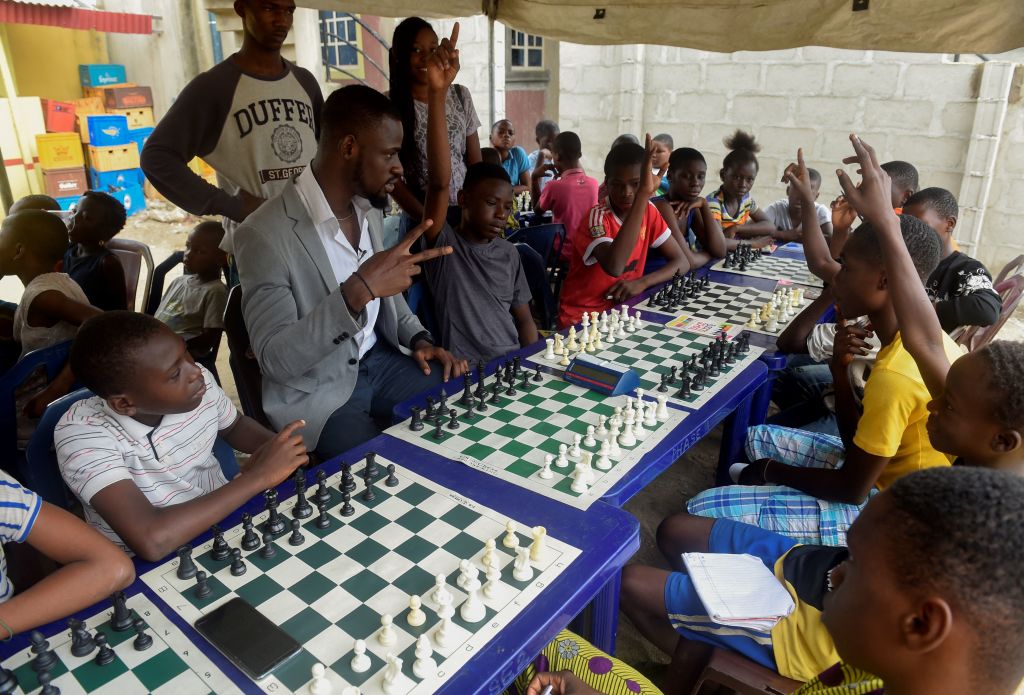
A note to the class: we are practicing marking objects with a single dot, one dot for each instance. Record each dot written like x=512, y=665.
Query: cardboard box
x=107, y=130
x=132, y=198
x=114, y=180
x=101, y=74
x=60, y=151
x=87, y=106
x=139, y=136
x=100, y=92
x=127, y=97
x=61, y=183
x=114, y=158
x=59, y=116
x=137, y=118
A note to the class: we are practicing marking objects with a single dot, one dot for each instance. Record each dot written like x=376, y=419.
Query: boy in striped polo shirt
x=139, y=454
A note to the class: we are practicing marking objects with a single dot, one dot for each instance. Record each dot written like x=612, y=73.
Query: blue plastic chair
x=540, y=288
x=545, y=239
x=52, y=359
x=421, y=303
x=41, y=474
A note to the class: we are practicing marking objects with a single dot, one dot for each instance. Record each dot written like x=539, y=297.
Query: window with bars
x=526, y=51
x=339, y=38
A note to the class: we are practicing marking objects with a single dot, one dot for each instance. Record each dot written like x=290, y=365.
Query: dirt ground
x=164, y=228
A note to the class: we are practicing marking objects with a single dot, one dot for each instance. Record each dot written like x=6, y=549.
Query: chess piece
x=302, y=509
x=202, y=589
x=663, y=386
x=105, y=655
x=511, y=540
x=250, y=541
x=579, y=479
x=220, y=550
x=360, y=661
x=416, y=616
x=438, y=432
x=564, y=362
x=268, y=550
x=370, y=470
x=322, y=493
x=44, y=658
x=442, y=635
x=440, y=592
x=536, y=376
x=589, y=440
x=574, y=450
x=603, y=462
x=472, y=609
x=493, y=575
x=424, y=664
x=489, y=553
x=392, y=479
x=348, y=481
x=323, y=519
x=522, y=570
x=563, y=456
x=549, y=349
x=142, y=641
x=319, y=685
x=602, y=432
x=82, y=643
x=8, y=681
x=346, y=505
x=416, y=423
x=627, y=438
x=453, y=419
x=274, y=523
x=467, y=391
x=496, y=391
x=237, y=564
x=368, y=494
x=539, y=544
x=392, y=675
x=386, y=636
x=186, y=565
x=47, y=688
x=662, y=412
x=545, y=473
x=481, y=403
x=466, y=570
x=296, y=538
x=559, y=348
x=121, y=620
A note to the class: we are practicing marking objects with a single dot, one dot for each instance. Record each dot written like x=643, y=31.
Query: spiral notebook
x=738, y=590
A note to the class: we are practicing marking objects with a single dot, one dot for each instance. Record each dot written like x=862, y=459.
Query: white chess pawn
x=424, y=664
x=360, y=661
x=620, y=331
x=489, y=553
x=650, y=419
x=603, y=463
x=522, y=569
x=602, y=431
x=637, y=321
x=386, y=635
x=546, y=473
x=564, y=362
x=613, y=441
x=442, y=635
x=563, y=456
x=493, y=575
x=640, y=393
x=590, y=347
x=574, y=450
x=609, y=337
x=598, y=345
x=416, y=616
x=511, y=540
x=662, y=412
x=638, y=426
x=589, y=439
x=772, y=324
x=539, y=546
x=320, y=685
x=579, y=479
x=633, y=321
x=617, y=413
x=464, y=568
x=752, y=321
x=627, y=438
x=549, y=348
x=572, y=344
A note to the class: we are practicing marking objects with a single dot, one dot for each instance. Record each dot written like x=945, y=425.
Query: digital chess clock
x=602, y=376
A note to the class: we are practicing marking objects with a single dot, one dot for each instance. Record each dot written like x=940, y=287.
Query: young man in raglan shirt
x=254, y=118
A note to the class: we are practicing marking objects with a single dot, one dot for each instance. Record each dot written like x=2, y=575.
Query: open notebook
x=738, y=590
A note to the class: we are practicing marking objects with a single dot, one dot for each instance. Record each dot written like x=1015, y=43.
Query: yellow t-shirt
x=892, y=424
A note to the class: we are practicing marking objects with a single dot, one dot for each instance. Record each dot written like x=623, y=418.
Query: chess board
x=726, y=305
x=172, y=665
x=776, y=268
x=654, y=350
x=334, y=588
x=510, y=439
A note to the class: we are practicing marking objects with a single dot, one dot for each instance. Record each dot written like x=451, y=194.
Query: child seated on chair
x=481, y=296
x=97, y=220
x=91, y=567
x=51, y=308
x=139, y=454
x=571, y=195
x=688, y=213
x=193, y=306
x=609, y=248
x=786, y=214
x=732, y=204
x=663, y=146
x=36, y=201
x=513, y=157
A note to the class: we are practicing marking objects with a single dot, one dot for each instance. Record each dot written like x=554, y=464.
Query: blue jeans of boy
x=799, y=391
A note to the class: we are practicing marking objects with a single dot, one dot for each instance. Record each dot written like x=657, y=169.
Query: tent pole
x=491, y=101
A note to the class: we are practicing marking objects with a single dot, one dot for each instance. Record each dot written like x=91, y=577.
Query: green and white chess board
x=653, y=350
x=510, y=439
x=775, y=268
x=172, y=665
x=334, y=588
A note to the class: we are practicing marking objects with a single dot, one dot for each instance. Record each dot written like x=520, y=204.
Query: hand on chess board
x=278, y=458
x=872, y=198
x=626, y=289
x=443, y=65
x=425, y=352
x=561, y=682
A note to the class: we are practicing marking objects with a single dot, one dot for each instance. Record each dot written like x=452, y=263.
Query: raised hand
x=386, y=273
x=649, y=180
x=444, y=64
x=872, y=198
x=796, y=176
x=843, y=214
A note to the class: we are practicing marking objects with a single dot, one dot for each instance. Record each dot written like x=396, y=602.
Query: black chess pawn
x=221, y=550
x=8, y=681
x=143, y=640
x=268, y=550
x=186, y=565
x=44, y=657
x=698, y=379
x=510, y=379
x=415, y=424
x=296, y=537
x=121, y=620
x=105, y=655
x=481, y=403
x=237, y=564
x=517, y=365
x=47, y=687
x=536, y=376
x=673, y=374
x=302, y=509
x=346, y=504
x=453, y=419
x=392, y=480
x=495, y=392
x=443, y=405
x=202, y=589
x=82, y=643
x=438, y=432
x=322, y=492
x=250, y=541
x=368, y=494
x=524, y=380
x=348, y=481
x=684, y=387
x=323, y=519
x=663, y=386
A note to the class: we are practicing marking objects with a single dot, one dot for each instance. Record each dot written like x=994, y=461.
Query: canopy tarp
x=925, y=26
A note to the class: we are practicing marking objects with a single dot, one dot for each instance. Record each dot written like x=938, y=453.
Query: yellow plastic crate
x=88, y=106
x=114, y=158
x=60, y=151
x=137, y=118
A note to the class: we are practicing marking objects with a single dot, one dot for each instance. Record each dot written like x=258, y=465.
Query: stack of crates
x=121, y=119
x=60, y=156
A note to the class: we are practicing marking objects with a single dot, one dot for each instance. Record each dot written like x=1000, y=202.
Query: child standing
x=193, y=306
x=611, y=246
x=513, y=157
x=688, y=213
x=786, y=214
x=570, y=196
x=545, y=132
x=95, y=268
x=732, y=203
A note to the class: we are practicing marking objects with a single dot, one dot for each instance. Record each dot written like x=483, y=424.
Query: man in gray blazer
x=334, y=338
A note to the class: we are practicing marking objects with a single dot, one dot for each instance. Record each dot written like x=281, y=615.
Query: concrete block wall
x=1002, y=237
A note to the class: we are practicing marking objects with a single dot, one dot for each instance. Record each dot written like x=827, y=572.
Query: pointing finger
x=287, y=430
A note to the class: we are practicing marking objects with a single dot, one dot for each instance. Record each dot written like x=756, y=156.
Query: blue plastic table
x=607, y=537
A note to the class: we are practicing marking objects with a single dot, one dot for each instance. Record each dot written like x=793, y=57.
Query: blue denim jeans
x=386, y=378
x=799, y=391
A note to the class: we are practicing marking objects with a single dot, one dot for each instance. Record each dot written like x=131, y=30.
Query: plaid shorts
x=778, y=508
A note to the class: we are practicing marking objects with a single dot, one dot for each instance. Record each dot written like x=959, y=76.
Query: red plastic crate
x=59, y=116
